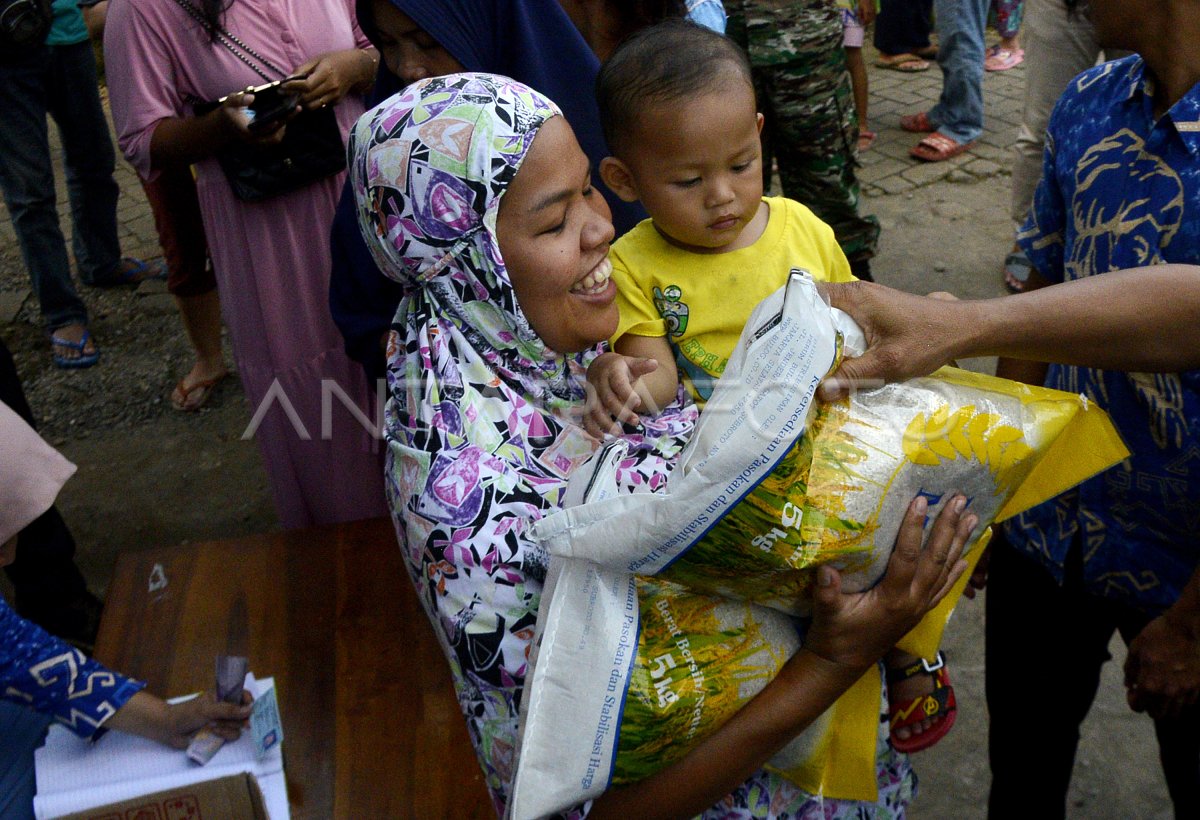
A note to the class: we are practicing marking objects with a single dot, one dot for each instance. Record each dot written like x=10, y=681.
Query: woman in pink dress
x=312, y=411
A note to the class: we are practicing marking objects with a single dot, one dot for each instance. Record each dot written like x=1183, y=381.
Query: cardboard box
x=235, y=797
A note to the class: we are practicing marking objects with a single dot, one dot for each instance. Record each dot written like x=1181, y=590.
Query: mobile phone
x=272, y=103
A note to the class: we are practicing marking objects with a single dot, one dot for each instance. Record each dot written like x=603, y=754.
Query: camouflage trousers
x=811, y=127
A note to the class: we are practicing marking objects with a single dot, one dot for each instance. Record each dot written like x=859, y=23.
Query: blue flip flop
x=133, y=271
x=82, y=360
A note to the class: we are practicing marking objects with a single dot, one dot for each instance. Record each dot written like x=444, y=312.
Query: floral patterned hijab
x=479, y=440
x=429, y=168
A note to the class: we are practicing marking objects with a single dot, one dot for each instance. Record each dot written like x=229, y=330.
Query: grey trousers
x=1057, y=47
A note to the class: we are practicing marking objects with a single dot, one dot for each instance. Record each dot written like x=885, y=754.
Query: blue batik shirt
x=1119, y=190
x=40, y=671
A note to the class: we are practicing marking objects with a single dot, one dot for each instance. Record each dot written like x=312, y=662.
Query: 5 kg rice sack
x=630, y=673
x=771, y=486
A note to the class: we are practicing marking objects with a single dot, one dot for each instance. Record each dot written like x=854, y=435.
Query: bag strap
x=232, y=43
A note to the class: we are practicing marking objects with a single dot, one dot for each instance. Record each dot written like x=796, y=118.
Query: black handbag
x=311, y=148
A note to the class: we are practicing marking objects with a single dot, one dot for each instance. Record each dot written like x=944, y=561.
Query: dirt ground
x=150, y=476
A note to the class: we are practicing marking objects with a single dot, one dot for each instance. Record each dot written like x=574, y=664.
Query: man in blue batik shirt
x=1120, y=189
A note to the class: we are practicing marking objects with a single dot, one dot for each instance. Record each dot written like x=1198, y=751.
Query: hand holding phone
x=272, y=104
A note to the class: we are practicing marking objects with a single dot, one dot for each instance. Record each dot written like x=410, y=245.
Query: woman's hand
x=850, y=633
x=330, y=77
x=855, y=629
x=174, y=724
x=186, y=140
x=234, y=120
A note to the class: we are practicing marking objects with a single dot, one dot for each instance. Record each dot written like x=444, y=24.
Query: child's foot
x=921, y=701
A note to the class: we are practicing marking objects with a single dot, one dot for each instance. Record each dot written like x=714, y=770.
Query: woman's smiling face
x=554, y=230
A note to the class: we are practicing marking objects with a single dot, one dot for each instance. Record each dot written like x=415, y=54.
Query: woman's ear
x=761, y=119
x=619, y=180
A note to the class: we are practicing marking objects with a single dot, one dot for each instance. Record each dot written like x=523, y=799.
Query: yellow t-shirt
x=702, y=301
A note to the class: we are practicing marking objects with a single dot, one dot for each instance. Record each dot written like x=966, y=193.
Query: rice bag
x=772, y=485
x=768, y=488
x=629, y=674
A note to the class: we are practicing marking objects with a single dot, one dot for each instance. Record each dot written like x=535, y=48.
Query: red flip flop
x=938, y=148
x=940, y=703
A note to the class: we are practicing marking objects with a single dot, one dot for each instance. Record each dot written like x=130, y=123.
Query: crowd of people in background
x=334, y=293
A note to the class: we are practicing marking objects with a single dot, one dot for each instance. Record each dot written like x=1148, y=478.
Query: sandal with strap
x=190, y=399
x=133, y=271
x=1017, y=268
x=937, y=147
x=906, y=63
x=84, y=359
x=940, y=703
x=1002, y=59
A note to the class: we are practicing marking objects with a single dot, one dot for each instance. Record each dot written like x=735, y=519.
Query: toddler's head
x=678, y=109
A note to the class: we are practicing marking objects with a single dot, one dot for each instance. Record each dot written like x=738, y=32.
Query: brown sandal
x=190, y=399
x=907, y=63
x=938, y=148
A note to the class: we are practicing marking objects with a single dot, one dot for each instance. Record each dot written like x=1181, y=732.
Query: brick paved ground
x=887, y=167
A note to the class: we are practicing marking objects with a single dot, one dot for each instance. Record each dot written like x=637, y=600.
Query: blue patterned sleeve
x=40, y=671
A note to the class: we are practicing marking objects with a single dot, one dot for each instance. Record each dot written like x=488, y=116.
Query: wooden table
x=372, y=727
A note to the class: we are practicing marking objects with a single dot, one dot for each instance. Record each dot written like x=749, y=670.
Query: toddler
x=679, y=114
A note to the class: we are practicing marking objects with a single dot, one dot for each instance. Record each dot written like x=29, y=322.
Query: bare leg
x=858, y=82
x=201, y=317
